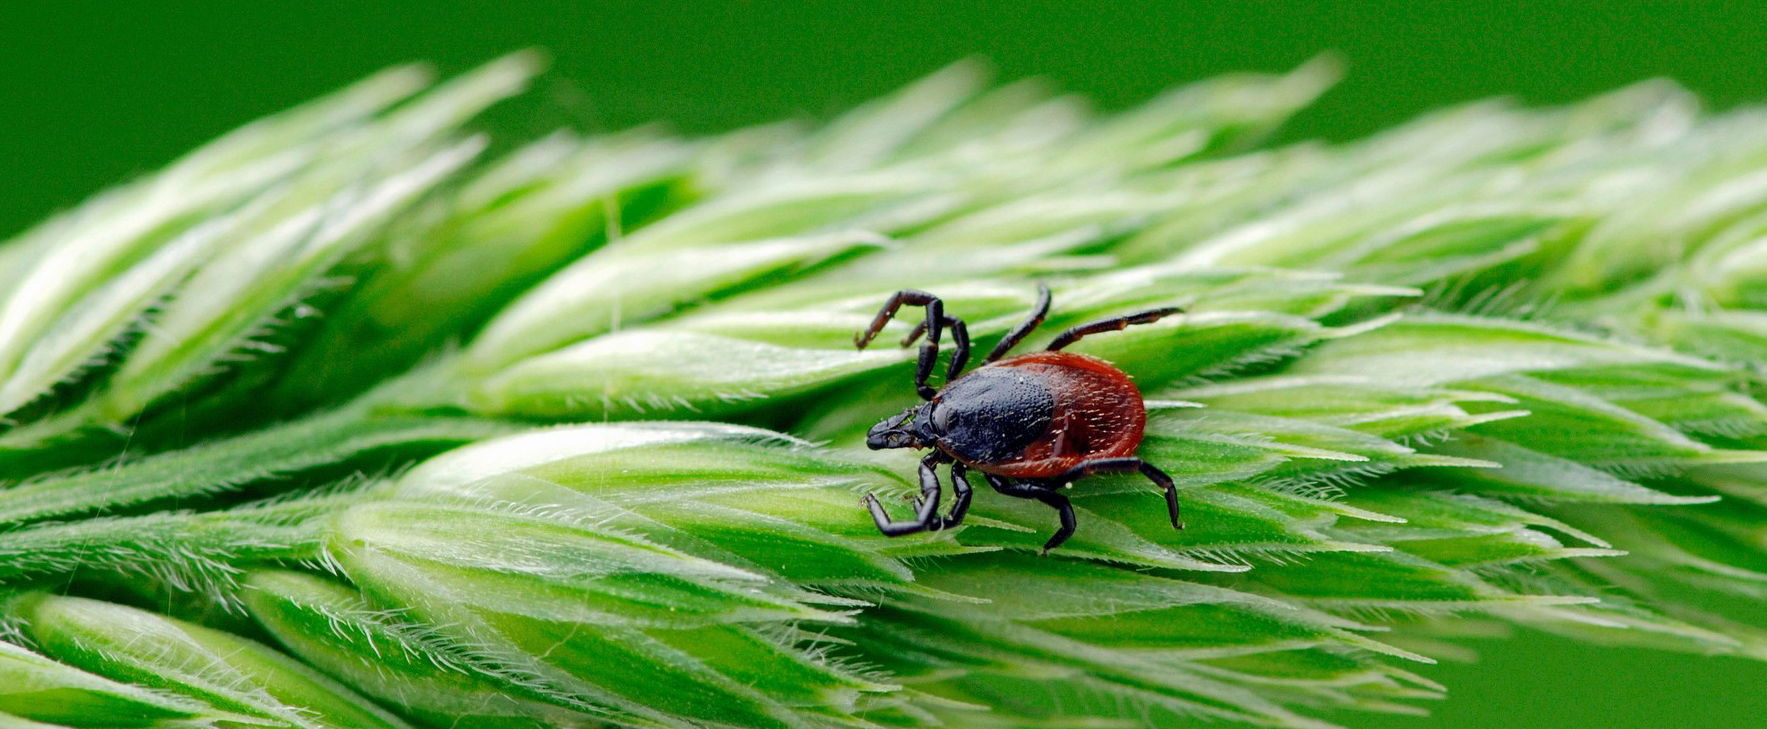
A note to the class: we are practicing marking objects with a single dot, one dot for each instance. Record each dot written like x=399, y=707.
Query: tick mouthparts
x=878, y=441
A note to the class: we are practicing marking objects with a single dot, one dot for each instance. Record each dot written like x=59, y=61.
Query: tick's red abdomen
x=1097, y=414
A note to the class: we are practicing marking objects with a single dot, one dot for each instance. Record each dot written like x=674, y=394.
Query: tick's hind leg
x=1054, y=499
x=1128, y=465
x=1111, y=325
x=926, y=512
x=1039, y=312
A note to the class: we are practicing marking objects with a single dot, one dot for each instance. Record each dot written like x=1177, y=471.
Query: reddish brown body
x=1097, y=413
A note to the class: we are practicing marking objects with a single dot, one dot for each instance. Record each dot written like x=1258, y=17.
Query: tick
x=1032, y=424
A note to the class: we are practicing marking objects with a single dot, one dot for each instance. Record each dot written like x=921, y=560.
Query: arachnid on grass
x=1032, y=424
x=1428, y=383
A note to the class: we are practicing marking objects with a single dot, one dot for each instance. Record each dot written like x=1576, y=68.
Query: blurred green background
x=93, y=93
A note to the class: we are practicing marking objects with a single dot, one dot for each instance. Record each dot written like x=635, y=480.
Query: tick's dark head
x=911, y=428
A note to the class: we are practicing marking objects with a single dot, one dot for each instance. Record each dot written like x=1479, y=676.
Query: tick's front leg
x=926, y=517
x=932, y=325
x=960, y=495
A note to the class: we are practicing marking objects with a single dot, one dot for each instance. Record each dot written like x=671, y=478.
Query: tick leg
x=959, y=348
x=929, y=352
x=960, y=495
x=959, y=344
x=1129, y=465
x=1054, y=499
x=926, y=516
x=891, y=306
x=1111, y=325
x=1039, y=312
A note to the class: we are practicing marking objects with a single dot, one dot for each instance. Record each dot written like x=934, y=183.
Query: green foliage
x=1456, y=371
